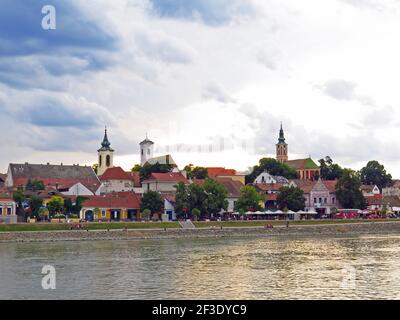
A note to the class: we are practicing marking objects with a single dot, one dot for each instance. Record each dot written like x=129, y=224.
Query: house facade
x=220, y=172
x=117, y=206
x=55, y=176
x=163, y=182
x=370, y=190
x=8, y=210
x=265, y=177
x=117, y=180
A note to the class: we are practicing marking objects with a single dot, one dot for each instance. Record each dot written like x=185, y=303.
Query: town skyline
x=136, y=67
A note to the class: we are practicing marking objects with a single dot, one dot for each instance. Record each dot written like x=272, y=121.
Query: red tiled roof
x=219, y=171
x=115, y=173
x=367, y=187
x=271, y=197
x=268, y=186
x=91, y=184
x=376, y=199
x=116, y=200
x=233, y=187
x=136, y=179
x=330, y=185
x=167, y=177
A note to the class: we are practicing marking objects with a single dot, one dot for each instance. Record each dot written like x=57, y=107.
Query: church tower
x=146, y=150
x=281, y=148
x=106, y=155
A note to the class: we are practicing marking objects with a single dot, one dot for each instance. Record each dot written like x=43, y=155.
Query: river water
x=365, y=267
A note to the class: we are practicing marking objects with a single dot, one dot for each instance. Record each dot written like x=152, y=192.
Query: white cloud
x=325, y=68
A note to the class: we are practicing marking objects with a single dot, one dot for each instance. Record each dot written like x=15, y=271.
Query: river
x=364, y=267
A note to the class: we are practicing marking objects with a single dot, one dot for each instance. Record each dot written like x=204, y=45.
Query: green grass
x=168, y=225
x=239, y=224
x=90, y=226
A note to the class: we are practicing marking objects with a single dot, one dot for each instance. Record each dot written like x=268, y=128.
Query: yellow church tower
x=281, y=148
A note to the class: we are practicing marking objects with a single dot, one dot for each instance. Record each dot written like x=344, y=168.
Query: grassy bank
x=241, y=224
x=169, y=225
x=89, y=226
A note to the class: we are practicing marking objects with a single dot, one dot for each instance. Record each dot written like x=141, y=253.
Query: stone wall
x=309, y=230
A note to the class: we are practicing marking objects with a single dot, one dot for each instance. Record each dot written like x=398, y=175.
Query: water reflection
x=267, y=268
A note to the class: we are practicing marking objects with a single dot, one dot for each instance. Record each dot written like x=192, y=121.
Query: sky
x=209, y=81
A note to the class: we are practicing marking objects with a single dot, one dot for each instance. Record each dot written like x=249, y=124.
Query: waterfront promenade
x=316, y=228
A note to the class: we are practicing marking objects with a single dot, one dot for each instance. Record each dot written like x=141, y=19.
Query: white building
x=265, y=177
x=163, y=182
x=117, y=180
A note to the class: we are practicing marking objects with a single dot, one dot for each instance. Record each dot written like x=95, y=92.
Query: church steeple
x=282, y=147
x=105, y=155
x=105, y=145
x=281, y=135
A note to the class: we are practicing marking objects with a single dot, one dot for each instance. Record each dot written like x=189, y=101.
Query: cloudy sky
x=208, y=80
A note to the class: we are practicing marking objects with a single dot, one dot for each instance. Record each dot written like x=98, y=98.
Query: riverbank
x=329, y=229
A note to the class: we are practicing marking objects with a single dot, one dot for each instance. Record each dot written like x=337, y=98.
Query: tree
x=210, y=198
x=146, y=214
x=19, y=198
x=68, y=206
x=216, y=195
x=136, y=168
x=35, y=203
x=291, y=198
x=148, y=169
x=55, y=205
x=152, y=201
x=43, y=213
x=37, y=185
x=375, y=174
x=95, y=168
x=196, y=172
x=196, y=213
x=273, y=167
x=77, y=207
x=329, y=170
x=348, y=190
x=249, y=200
x=182, y=202
x=29, y=185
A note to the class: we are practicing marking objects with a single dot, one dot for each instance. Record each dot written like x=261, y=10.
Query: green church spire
x=105, y=145
x=281, y=135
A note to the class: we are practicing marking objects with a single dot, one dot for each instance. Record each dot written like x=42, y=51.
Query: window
x=333, y=200
x=103, y=214
x=142, y=152
x=99, y=161
x=108, y=160
x=9, y=211
x=315, y=200
x=325, y=200
x=320, y=200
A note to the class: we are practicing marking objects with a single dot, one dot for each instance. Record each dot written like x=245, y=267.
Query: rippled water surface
x=365, y=267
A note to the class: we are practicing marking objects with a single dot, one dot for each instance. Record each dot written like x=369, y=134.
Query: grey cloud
x=305, y=143
x=164, y=50
x=339, y=89
x=218, y=93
